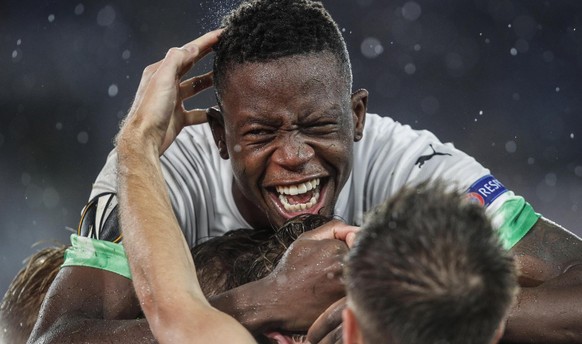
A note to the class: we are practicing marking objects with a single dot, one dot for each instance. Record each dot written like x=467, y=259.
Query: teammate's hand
x=327, y=329
x=334, y=229
x=158, y=114
x=307, y=279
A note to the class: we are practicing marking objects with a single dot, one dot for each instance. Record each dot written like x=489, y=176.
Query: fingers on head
x=196, y=116
x=182, y=52
x=193, y=86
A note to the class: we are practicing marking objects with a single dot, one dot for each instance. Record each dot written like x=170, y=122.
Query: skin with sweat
x=289, y=127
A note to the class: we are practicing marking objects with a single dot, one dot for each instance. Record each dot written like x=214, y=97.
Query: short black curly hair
x=265, y=30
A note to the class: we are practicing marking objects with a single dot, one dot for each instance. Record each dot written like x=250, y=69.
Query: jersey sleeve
x=510, y=214
x=99, y=219
x=185, y=166
x=98, y=254
x=392, y=155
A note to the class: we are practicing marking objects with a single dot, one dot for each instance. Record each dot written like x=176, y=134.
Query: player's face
x=289, y=127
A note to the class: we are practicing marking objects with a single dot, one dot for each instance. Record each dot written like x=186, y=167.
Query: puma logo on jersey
x=424, y=158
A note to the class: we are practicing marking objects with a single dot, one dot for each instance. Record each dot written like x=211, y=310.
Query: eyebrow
x=328, y=112
x=258, y=119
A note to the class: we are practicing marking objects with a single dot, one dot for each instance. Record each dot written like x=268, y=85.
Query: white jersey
x=389, y=156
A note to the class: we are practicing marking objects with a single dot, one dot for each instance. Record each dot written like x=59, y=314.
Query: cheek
x=247, y=164
x=337, y=152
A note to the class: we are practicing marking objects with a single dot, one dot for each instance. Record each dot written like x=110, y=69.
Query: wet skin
x=286, y=123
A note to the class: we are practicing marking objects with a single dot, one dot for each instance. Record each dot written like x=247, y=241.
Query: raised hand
x=158, y=114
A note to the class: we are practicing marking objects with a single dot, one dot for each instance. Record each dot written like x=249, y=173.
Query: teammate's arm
x=162, y=267
x=549, y=305
x=88, y=305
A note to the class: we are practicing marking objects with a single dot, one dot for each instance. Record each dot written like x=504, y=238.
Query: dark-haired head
x=246, y=255
x=266, y=30
x=427, y=267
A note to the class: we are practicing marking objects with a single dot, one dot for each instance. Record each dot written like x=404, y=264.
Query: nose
x=293, y=152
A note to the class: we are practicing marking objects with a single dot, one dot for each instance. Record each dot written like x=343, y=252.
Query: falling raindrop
x=371, y=47
x=410, y=68
x=113, y=90
x=106, y=16
x=83, y=137
x=79, y=9
x=551, y=179
x=51, y=18
x=513, y=51
x=17, y=56
x=511, y=146
x=411, y=11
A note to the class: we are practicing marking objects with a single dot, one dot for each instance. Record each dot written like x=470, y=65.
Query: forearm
x=245, y=305
x=548, y=313
x=150, y=229
x=93, y=331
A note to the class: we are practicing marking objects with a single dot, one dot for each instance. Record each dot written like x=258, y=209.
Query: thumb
x=334, y=229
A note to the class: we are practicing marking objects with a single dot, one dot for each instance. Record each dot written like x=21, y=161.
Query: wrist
x=248, y=304
x=131, y=143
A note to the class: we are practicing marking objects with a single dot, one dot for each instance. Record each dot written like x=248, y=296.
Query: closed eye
x=259, y=135
x=320, y=128
x=259, y=132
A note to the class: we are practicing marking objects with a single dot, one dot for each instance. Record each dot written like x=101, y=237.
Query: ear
x=350, y=329
x=216, y=121
x=359, y=107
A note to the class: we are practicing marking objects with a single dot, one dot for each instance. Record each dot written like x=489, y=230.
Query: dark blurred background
x=501, y=79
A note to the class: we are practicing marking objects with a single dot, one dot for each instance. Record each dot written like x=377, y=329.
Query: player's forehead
x=308, y=82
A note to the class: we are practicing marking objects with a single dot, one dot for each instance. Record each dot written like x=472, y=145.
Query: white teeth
x=300, y=206
x=299, y=188
x=302, y=188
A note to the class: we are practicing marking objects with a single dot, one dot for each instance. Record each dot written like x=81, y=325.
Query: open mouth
x=299, y=197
